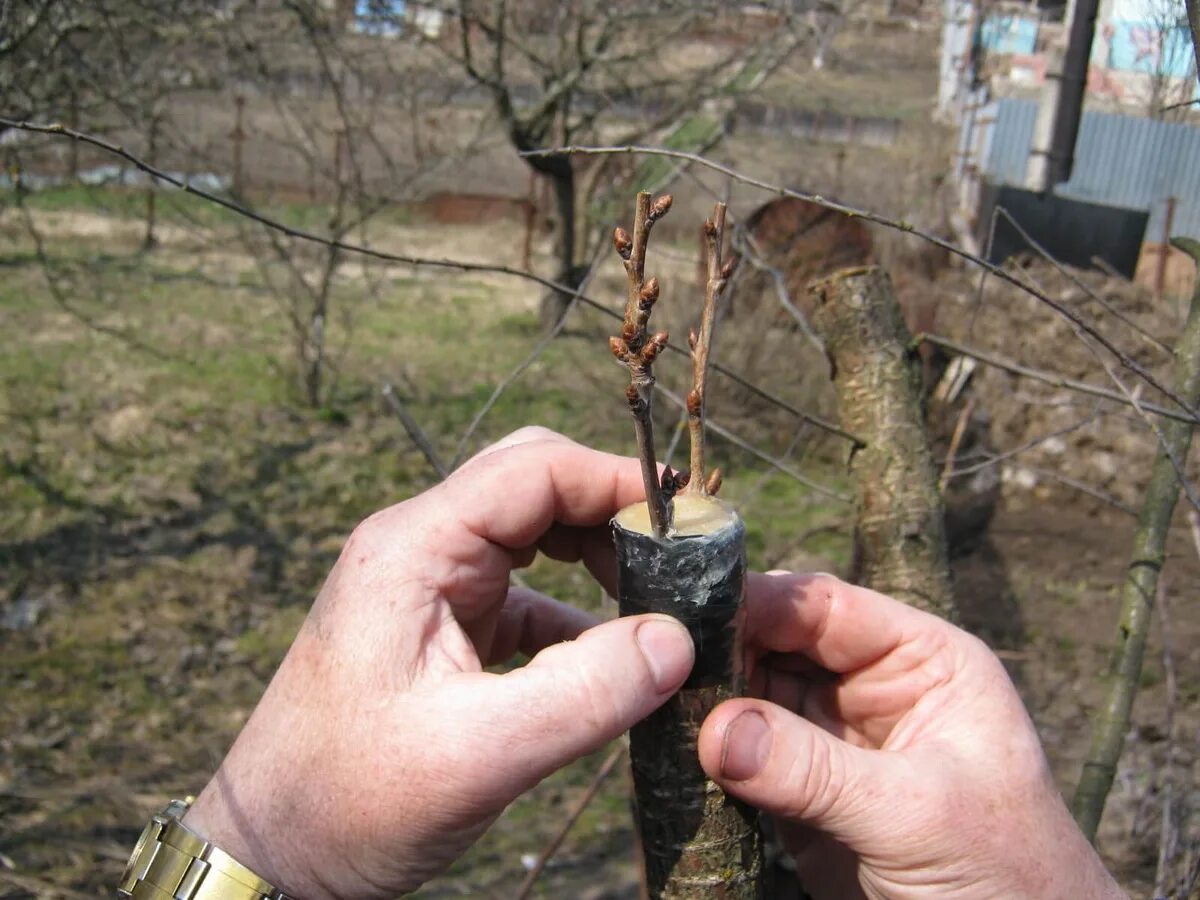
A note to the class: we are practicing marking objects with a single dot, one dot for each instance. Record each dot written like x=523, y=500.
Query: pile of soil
x=1062, y=435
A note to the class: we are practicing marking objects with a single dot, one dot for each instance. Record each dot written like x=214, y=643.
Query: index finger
x=839, y=626
x=512, y=495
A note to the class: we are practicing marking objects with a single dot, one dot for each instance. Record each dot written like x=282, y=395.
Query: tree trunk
x=900, y=539
x=1141, y=581
x=1193, y=14
x=554, y=303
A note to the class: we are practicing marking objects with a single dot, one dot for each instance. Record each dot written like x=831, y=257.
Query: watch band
x=172, y=863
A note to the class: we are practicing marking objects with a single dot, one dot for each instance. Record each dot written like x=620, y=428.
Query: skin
x=381, y=749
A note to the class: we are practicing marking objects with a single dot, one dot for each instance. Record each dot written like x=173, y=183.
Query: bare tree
x=573, y=71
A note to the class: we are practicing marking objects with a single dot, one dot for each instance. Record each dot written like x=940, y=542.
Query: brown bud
x=649, y=291
x=695, y=403
x=622, y=242
x=713, y=484
x=668, y=479
x=654, y=347
x=660, y=207
x=693, y=338
x=710, y=228
x=618, y=347
x=727, y=269
x=628, y=333
x=682, y=478
x=632, y=395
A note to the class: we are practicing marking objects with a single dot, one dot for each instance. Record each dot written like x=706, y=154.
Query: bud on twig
x=619, y=348
x=654, y=346
x=661, y=207
x=713, y=484
x=694, y=402
x=727, y=269
x=692, y=338
x=622, y=242
x=649, y=293
x=633, y=397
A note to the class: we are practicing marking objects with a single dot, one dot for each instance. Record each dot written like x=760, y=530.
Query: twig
x=701, y=345
x=899, y=225
x=464, y=443
x=1049, y=378
x=409, y=260
x=581, y=804
x=743, y=444
x=1082, y=487
x=1070, y=276
x=637, y=348
x=960, y=428
x=996, y=458
x=414, y=430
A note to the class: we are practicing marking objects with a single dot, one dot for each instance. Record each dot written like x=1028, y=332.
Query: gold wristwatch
x=171, y=863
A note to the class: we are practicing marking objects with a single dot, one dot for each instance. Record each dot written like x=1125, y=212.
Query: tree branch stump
x=900, y=536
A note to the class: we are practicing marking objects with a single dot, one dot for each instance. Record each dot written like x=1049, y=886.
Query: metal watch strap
x=172, y=863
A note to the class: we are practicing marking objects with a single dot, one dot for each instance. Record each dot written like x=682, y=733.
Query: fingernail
x=667, y=647
x=747, y=745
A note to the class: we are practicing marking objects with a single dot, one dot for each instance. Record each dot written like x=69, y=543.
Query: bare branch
x=637, y=348
x=408, y=259
x=898, y=225
x=1049, y=378
x=701, y=345
x=610, y=763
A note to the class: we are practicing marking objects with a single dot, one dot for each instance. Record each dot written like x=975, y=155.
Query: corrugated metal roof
x=1119, y=161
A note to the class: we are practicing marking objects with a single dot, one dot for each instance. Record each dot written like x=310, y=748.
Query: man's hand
x=895, y=752
x=381, y=749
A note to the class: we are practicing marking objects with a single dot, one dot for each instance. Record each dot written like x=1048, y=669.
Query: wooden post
x=1164, y=249
x=900, y=537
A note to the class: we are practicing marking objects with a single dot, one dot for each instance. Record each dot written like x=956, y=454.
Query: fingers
x=837, y=625
x=571, y=699
x=789, y=767
x=529, y=622
x=511, y=495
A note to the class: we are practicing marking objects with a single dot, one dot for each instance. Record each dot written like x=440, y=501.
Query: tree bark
x=1141, y=581
x=900, y=538
x=555, y=303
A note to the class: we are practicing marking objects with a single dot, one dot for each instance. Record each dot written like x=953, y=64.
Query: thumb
x=569, y=700
x=789, y=767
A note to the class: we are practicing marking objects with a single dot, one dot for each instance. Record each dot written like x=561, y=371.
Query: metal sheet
x=1119, y=161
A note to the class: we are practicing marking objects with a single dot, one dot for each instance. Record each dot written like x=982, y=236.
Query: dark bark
x=697, y=842
x=555, y=303
x=900, y=539
x=1141, y=581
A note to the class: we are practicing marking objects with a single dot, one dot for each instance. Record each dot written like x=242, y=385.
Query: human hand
x=381, y=749
x=894, y=752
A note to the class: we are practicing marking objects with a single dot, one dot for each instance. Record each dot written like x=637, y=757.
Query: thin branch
x=637, y=348
x=701, y=346
x=581, y=804
x=899, y=225
x=743, y=444
x=408, y=259
x=464, y=443
x=415, y=431
x=960, y=428
x=1078, y=282
x=1049, y=378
